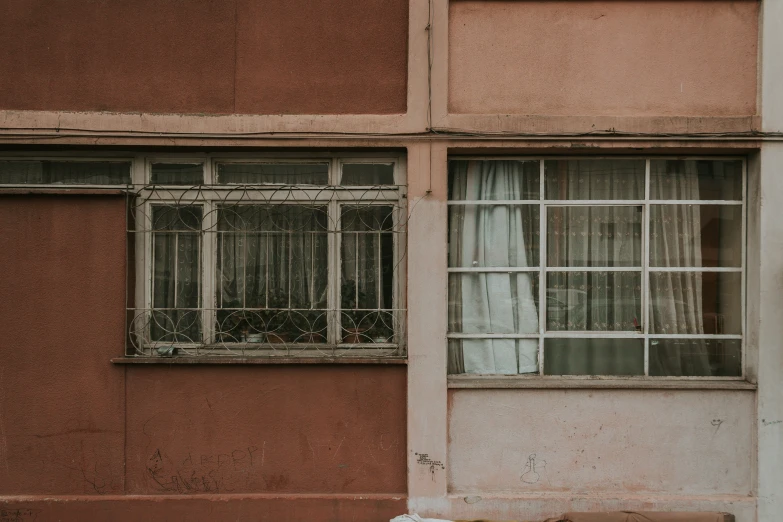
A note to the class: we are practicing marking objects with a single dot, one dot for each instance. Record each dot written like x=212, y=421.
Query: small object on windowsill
x=637, y=325
x=277, y=338
x=167, y=351
x=353, y=335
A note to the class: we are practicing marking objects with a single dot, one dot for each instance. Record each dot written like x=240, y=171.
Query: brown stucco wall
x=114, y=442
x=279, y=429
x=62, y=291
x=201, y=56
x=595, y=58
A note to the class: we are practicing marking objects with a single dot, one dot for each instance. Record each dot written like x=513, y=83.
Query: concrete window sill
x=258, y=360
x=516, y=382
x=49, y=191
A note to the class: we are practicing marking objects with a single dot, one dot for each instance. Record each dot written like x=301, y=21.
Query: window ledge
x=511, y=382
x=49, y=191
x=259, y=360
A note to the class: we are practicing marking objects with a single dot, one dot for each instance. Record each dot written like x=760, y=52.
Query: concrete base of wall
x=545, y=505
x=196, y=508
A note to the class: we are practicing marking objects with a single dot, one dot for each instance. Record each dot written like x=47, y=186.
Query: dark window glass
x=594, y=356
x=65, y=172
x=368, y=174
x=696, y=357
x=594, y=179
x=274, y=173
x=696, y=179
x=177, y=174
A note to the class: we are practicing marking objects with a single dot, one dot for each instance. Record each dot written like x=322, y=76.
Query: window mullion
x=646, y=268
x=209, y=271
x=542, y=284
x=333, y=317
x=149, y=279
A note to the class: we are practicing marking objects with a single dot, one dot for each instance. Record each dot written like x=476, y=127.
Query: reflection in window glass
x=177, y=174
x=594, y=356
x=368, y=174
x=593, y=301
x=695, y=303
x=65, y=172
x=696, y=235
x=594, y=236
x=696, y=357
x=696, y=179
x=594, y=179
x=281, y=173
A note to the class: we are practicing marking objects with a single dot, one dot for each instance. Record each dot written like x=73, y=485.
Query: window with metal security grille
x=247, y=256
x=580, y=267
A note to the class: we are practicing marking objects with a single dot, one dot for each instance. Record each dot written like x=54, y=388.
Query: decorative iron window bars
x=293, y=257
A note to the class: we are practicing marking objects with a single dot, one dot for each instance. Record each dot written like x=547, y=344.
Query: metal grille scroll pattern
x=249, y=270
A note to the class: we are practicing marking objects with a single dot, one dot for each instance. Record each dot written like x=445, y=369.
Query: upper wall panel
x=201, y=56
x=335, y=56
x=607, y=58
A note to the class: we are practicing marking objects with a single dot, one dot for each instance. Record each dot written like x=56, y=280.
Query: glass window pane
x=594, y=179
x=696, y=179
x=368, y=174
x=273, y=260
x=172, y=217
x=65, y=172
x=367, y=274
x=696, y=357
x=695, y=303
x=177, y=174
x=493, y=356
x=375, y=327
x=493, y=179
x=493, y=303
x=493, y=235
x=282, y=173
x=696, y=235
x=594, y=301
x=594, y=356
x=594, y=236
x=367, y=244
x=176, y=267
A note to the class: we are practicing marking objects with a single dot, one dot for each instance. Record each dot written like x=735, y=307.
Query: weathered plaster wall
x=200, y=56
x=612, y=58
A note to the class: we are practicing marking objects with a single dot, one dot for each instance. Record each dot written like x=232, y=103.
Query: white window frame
x=212, y=194
x=542, y=270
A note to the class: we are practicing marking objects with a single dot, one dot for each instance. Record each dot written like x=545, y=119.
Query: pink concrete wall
x=619, y=58
x=618, y=442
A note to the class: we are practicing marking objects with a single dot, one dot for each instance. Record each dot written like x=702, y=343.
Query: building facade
x=497, y=259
